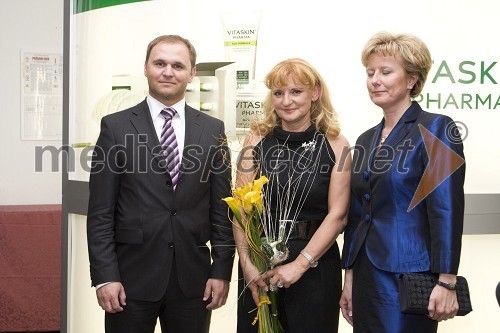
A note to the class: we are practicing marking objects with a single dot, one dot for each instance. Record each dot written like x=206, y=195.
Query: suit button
x=366, y=175
x=367, y=197
x=171, y=245
x=367, y=218
x=173, y=212
x=169, y=183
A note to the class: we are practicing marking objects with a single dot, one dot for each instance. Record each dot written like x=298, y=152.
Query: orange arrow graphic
x=443, y=162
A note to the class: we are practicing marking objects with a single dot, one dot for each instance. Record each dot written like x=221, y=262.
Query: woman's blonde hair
x=323, y=114
x=409, y=50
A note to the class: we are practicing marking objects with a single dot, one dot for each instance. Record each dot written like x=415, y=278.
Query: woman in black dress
x=299, y=148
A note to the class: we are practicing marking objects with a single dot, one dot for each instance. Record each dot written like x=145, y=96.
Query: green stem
x=273, y=297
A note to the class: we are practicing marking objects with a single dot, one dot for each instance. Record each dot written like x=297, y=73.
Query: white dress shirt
x=178, y=121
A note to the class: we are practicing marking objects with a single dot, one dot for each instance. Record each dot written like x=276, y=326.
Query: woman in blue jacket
x=407, y=203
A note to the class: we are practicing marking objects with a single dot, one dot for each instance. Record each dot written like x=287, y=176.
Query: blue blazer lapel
x=404, y=125
x=402, y=128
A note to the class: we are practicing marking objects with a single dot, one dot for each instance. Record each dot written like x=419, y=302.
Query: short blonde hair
x=410, y=50
x=323, y=114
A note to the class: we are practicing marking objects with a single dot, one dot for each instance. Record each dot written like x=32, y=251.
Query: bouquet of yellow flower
x=265, y=252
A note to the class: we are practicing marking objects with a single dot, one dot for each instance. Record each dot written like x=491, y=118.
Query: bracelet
x=449, y=286
x=312, y=262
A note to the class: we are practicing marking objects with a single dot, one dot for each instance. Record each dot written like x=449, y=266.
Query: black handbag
x=415, y=289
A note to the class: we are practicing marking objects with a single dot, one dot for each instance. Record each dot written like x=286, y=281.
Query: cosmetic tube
x=240, y=43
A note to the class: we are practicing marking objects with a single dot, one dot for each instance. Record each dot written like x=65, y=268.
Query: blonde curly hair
x=323, y=115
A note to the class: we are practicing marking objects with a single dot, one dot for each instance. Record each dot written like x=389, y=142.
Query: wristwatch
x=449, y=286
x=312, y=262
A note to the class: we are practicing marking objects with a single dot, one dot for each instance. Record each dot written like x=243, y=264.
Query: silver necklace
x=382, y=139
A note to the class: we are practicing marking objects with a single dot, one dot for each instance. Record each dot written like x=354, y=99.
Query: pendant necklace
x=382, y=139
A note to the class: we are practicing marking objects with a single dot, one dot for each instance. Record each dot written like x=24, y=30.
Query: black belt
x=304, y=230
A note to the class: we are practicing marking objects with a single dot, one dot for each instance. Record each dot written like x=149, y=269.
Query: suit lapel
x=143, y=124
x=404, y=125
x=193, y=130
x=399, y=132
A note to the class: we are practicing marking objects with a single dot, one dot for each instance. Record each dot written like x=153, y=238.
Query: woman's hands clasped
x=283, y=276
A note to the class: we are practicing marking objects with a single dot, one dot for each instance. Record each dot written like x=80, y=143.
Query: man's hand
x=218, y=290
x=111, y=297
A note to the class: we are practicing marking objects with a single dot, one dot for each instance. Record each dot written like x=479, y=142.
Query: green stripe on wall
x=86, y=5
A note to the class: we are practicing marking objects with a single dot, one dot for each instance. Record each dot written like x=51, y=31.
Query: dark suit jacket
x=136, y=221
x=427, y=237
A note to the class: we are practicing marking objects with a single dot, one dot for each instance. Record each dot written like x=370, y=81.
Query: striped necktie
x=169, y=146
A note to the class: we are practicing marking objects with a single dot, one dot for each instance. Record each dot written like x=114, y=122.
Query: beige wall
x=31, y=26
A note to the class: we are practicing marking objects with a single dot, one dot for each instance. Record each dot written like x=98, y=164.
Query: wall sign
x=41, y=96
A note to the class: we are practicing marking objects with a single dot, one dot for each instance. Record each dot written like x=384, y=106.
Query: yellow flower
x=234, y=204
x=258, y=183
x=242, y=190
x=254, y=198
x=248, y=201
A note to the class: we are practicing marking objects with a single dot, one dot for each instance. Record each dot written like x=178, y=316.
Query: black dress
x=304, y=158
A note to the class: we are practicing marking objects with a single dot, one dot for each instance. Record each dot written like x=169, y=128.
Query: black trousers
x=177, y=313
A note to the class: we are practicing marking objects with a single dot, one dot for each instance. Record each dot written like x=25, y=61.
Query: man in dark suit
x=147, y=230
